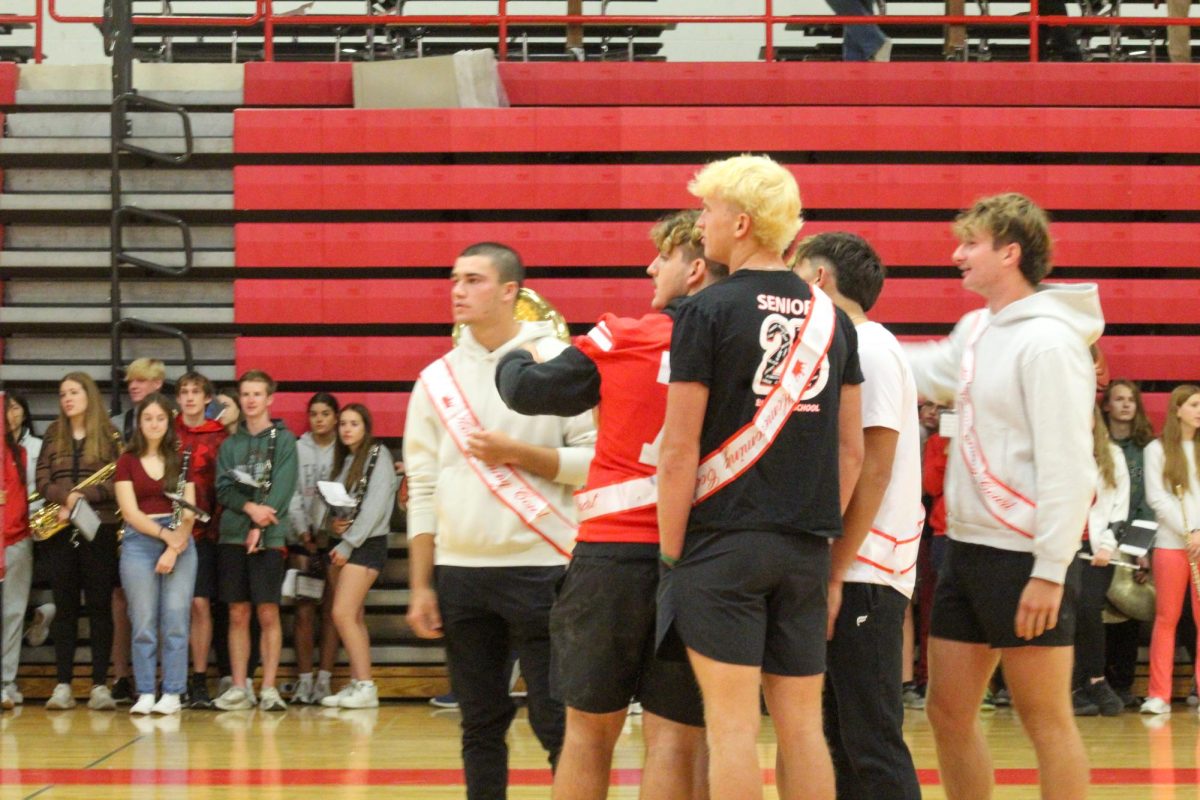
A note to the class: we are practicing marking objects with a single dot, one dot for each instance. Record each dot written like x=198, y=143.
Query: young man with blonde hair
x=1021, y=479
x=602, y=623
x=761, y=446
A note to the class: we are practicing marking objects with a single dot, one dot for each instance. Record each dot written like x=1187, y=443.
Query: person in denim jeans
x=861, y=42
x=158, y=561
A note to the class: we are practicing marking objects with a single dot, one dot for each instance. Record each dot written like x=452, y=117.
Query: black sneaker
x=1105, y=698
x=122, y=692
x=1082, y=702
x=1129, y=699
x=198, y=696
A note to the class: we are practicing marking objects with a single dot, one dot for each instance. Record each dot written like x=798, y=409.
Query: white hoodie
x=1171, y=511
x=447, y=498
x=1033, y=392
x=1112, y=504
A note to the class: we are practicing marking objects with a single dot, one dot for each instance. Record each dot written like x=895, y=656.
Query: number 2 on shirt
x=649, y=455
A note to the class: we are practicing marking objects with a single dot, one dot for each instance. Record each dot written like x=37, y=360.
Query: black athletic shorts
x=751, y=598
x=250, y=578
x=602, y=632
x=371, y=554
x=206, y=568
x=979, y=589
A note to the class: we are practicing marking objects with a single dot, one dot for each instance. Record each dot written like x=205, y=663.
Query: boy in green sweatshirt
x=256, y=477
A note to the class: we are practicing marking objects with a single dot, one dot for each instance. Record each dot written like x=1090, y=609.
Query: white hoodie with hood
x=1033, y=392
x=445, y=496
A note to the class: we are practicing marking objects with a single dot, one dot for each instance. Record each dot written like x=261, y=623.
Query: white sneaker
x=168, y=704
x=362, y=694
x=335, y=700
x=302, y=694
x=39, y=629
x=224, y=685
x=884, y=53
x=101, y=699
x=271, y=701
x=14, y=694
x=6, y=701
x=144, y=704
x=321, y=690
x=235, y=698
x=1155, y=705
x=635, y=709
x=62, y=699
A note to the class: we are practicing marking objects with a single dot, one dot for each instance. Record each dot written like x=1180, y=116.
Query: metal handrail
x=37, y=20
x=503, y=21
x=134, y=99
x=129, y=324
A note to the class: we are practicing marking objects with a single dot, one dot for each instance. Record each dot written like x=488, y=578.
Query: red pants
x=1172, y=577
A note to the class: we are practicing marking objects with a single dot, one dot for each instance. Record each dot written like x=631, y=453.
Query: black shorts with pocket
x=206, y=569
x=250, y=577
x=371, y=554
x=602, y=631
x=979, y=589
x=750, y=597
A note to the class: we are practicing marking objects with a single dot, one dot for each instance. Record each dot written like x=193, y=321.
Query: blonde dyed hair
x=761, y=188
x=146, y=369
x=1012, y=218
x=1175, y=474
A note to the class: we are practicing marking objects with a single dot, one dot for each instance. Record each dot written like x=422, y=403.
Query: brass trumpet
x=44, y=523
x=531, y=307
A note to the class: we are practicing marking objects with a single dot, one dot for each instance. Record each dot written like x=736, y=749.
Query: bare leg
x=586, y=759
x=676, y=760
x=1040, y=681
x=239, y=641
x=270, y=641
x=303, y=634
x=329, y=633
x=906, y=656
x=795, y=705
x=958, y=676
x=122, y=646
x=352, y=586
x=201, y=633
x=731, y=694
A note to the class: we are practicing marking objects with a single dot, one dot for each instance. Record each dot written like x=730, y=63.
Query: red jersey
x=204, y=440
x=633, y=359
x=16, y=506
x=933, y=481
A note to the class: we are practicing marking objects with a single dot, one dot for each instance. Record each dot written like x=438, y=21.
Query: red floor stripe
x=1127, y=776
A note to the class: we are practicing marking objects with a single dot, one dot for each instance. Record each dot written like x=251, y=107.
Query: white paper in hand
x=243, y=477
x=340, y=503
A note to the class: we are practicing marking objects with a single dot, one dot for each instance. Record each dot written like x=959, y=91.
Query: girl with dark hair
x=78, y=444
x=158, y=560
x=16, y=566
x=20, y=422
x=365, y=468
x=1173, y=491
x=309, y=544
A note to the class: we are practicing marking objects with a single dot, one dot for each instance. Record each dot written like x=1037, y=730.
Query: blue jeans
x=859, y=42
x=158, y=602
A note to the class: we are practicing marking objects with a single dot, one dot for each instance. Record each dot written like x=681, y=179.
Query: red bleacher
x=367, y=205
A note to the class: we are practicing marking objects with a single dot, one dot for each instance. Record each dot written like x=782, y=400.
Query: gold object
x=1131, y=599
x=530, y=307
x=44, y=523
x=1180, y=492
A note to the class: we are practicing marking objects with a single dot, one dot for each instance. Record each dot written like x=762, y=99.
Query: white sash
x=810, y=345
x=506, y=483
x=1008, y=506
x=617, y=497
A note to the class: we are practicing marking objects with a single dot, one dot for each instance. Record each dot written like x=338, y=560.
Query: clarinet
x=1195, y=570
x=177, y=509
x=261, y=491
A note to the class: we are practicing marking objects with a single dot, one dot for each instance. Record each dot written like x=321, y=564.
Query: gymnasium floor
x=409, y=751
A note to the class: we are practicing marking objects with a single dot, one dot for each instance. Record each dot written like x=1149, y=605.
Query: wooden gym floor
x=409, y=751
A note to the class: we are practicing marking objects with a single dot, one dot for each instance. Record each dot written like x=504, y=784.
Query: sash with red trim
x=506, y=483
x=1007, y=506
x=742, y=450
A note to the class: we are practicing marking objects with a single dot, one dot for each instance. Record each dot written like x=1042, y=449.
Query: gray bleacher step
x=162, y=291
x=96, y=237
x=31, y=349
x=164, y=201
x=75, y=124
x=49, y=373
x=103, y=97
x=85, y=259
x=92, y=315
x=57, y=146
x=35, y=180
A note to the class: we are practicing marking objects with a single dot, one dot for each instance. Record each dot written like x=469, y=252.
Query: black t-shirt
x=735, y=338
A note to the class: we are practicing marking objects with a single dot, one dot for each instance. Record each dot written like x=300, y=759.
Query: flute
x=1195, y=570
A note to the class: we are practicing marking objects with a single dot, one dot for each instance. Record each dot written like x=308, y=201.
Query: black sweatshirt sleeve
x=564, y=386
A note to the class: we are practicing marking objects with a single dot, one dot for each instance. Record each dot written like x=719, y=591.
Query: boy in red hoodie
x=16, y=554
x=203, y=437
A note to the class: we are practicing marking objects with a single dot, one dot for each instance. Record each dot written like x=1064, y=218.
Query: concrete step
x=48, y=373
x=99, y=259
x=89, y=315
x=59, y=146
x=159, y=201
x=91, y=84
x=76, y=124
x=96, y=237
x=166, y=180
x=166, y=291
x=84, y=349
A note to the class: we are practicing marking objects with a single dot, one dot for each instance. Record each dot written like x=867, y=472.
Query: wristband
x=668, y=560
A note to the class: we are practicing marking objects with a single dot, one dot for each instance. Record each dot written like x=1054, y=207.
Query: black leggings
x=1089, y=626
x=75, y=565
